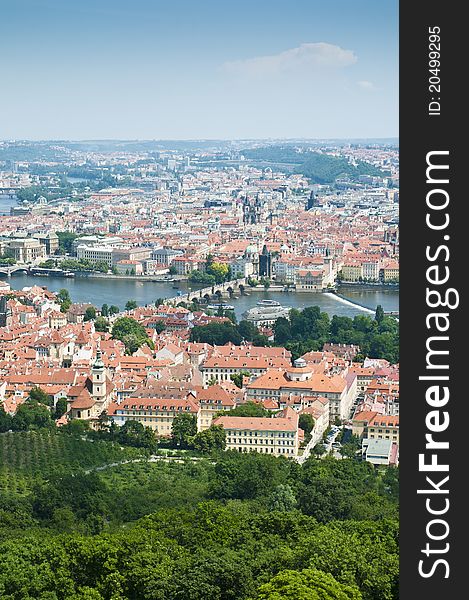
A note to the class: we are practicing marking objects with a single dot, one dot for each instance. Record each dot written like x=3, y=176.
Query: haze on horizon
x=153, y=70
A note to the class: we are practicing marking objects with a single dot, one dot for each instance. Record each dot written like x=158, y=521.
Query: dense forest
x=82, y=522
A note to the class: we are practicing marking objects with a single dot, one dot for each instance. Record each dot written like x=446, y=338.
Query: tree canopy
x=131, y=333
x=309, y=329
x=83, y=516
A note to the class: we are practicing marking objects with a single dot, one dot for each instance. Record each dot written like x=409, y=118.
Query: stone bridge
x=8, y=270
x=216, y=291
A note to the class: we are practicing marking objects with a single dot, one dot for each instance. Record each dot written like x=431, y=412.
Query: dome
x=300, y=362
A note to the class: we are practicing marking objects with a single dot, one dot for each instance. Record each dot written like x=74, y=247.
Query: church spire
x=98, y=363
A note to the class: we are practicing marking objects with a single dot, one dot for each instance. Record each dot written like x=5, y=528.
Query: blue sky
x=188, y=69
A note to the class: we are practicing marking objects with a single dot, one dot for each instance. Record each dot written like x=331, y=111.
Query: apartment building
x=383, y=427
x=277, y=436
x=110, y=254
x=390, y=271
x=371, y=270
x=375, y=426
x=165, y=256
x=351, y=271
x=96, y=254
x=156, y=413
x=212, y=401
x=340, y=390
x=364, y=377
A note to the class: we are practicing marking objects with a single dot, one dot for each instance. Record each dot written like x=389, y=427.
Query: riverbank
x=359, y=285
x=145, y=278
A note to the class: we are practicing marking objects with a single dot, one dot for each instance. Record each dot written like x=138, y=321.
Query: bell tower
x=98, y=378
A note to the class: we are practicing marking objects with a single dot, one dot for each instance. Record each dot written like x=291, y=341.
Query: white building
x=95, y=254
x=277, y=436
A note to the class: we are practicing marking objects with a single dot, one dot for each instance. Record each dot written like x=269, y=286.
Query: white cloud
x=366, y=85
x=303, y=59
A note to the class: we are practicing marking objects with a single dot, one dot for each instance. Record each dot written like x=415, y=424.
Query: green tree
x=319, y=449
x=101, y=324
x=60, y=408
x=282, y=499
x=200, y=278
x=159, y=326
x=184, y=428
x=63, y=298
x=306, y=423
x=356, y=553
x=114, y=310
x=105, y=310
x=131, y=333
x=209, y=440
x=282, y=331
x=38, y=395
x=133, y=433
x=351, y=446
x=309, y=584
x=5, y=420
x=131, y=305
x=247, y=330
x=32, y=415
x=66, y=239
x=219, y=271
x=76, y=427
x=237, y=378
x=249, y=409
x=379, y=314
x=90, y=313
x=216, y=334
x=6, y=260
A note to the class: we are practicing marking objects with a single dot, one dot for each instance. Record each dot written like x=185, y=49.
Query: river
x=117, y=291
x=5, y=204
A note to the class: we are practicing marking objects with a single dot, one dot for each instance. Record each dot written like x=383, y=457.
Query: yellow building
x=351, y=272
x=156, y=413
x=383, y=427
x=212, y=401
x=391, y=272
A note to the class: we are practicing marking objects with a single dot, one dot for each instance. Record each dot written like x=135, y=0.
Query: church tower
x=99, y=379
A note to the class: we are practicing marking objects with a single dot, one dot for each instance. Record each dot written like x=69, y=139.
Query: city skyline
x=154, y=71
